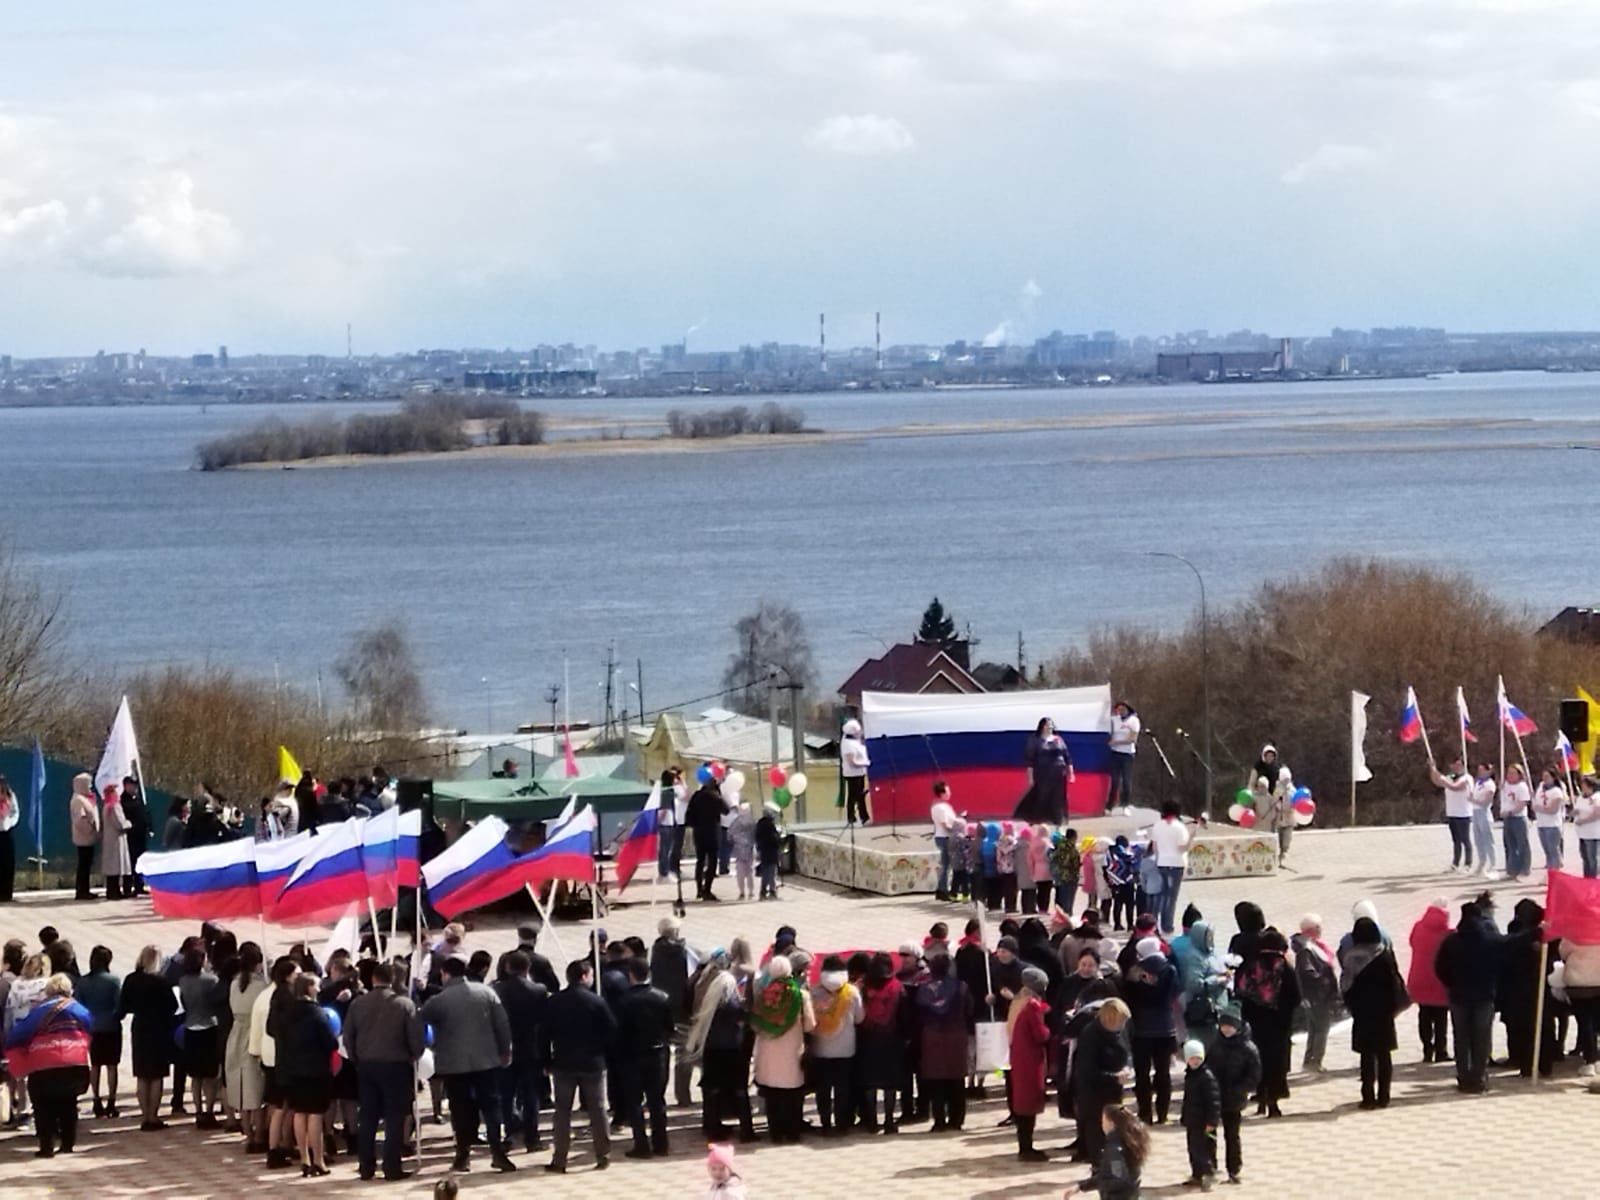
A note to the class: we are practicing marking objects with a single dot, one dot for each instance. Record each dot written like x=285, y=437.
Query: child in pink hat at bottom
x=725, y=1181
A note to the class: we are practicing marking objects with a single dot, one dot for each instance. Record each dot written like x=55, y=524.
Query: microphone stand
x=1165, y=761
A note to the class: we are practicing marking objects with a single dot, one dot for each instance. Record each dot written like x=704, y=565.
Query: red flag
x=1572, y=908
x=566, y=752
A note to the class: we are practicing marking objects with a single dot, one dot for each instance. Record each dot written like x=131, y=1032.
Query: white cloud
x=159, y=231
x=1331, y=158
x=863, y=136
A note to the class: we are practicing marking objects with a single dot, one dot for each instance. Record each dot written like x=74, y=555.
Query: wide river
x=498, y=568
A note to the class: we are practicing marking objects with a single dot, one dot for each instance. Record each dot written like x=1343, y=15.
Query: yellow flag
x=288, y=770
x=1586, y=749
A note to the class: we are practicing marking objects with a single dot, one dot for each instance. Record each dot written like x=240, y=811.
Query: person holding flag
x=1483, y=792
x=1457, y=787
x=1586, y=818
x=1515, y=797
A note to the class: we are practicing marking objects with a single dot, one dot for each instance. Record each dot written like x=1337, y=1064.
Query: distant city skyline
x=186, y=176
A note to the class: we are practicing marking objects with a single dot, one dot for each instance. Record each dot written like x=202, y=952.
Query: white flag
x=346, y=935
x=121, y=757
x=1358, y=737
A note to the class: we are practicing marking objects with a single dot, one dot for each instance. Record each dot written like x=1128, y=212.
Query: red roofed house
x=915, y=668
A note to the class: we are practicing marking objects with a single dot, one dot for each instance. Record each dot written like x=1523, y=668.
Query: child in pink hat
x=725, y=1181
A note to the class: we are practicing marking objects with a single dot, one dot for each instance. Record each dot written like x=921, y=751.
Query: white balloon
x=798, y=783
x=425, y=1066
x=733, y=782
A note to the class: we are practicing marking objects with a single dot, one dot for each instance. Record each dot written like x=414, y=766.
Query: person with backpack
x=1236, y=1063
x=1268, y=997
x=1317, y=974
x=1375, y=994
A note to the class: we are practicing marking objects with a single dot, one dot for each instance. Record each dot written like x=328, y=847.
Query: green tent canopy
x=536, y=800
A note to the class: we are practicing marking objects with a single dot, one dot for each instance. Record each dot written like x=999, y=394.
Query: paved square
x=1433, y=1142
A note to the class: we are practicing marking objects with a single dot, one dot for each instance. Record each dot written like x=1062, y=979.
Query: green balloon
x=1245, y=797
x=782, y=796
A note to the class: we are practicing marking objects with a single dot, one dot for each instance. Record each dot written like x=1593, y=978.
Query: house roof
x=730, y=737
x=1573, y=625
x=910, y=667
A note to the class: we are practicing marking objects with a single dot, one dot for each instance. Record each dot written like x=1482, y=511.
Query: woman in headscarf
x=1028, y=1032
x=1049, y=772
x=85, y=818
x=1374, y=993
x=836, y=1005
x=717, y=1038
x=944, y=1015
x=1317, y=973
x=1270, y=781
x=880, y=1044
x=1251, y=922
x=781, y=1016
x=1269, y=995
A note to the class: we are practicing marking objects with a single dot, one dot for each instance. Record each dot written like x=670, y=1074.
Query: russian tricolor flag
x=640, y=844
x=1466, y=721
x=203, y=883
x=380, y=857
x=1512, y=717
x=1566, y=754
x=1410, y=718
x=408, y=858
x=327, y=880
x=569, y=854
x=275, y=862
x=473, y=857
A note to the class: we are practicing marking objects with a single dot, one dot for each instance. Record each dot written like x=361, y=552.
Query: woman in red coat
x=1422, y=981
x=1030, y=1056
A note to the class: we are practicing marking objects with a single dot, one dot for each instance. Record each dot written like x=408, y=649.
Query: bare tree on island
x=33, y=687
x=772, y=638
x=380, y=674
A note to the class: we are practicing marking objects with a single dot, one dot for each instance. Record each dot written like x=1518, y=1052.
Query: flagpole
x=1461, y=723
x=1353, y=707
x=377, y=930
x=1423, y=725
x=1538, y=1009
x=549, y=925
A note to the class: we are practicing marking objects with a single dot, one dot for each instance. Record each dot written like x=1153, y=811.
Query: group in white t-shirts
x=1469, y=803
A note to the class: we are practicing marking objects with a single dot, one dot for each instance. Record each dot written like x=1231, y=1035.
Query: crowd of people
x=1559, y=796
x=304, y=1060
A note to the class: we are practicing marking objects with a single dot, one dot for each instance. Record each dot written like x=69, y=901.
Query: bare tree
x=772, y=638
x=380, y=674
x=32, y=684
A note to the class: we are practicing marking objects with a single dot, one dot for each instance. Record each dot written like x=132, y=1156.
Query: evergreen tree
x=938, y=628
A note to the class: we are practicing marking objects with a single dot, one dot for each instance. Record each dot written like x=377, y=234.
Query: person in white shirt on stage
x=1483, y=790
x=1125, y=728
x=853, y=764
x=1457, y=785
x=1169, y=842
x=1515, y=796
x=945, y=822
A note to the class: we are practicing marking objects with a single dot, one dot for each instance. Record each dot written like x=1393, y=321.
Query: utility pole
x=1022, y=657
x=552, y=697
x=772, y=711
x=611, y=670
x=638, y=665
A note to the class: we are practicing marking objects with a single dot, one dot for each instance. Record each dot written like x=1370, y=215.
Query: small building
x=911, y=668
x=1580, y=625
x=745, y=744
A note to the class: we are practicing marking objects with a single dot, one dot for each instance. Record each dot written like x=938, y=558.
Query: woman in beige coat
x=114, y=863
x=781, y=1015
x=85, y=814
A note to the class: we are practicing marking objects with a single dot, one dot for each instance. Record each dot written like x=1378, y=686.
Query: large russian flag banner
x=205, y=883
x=976, y=744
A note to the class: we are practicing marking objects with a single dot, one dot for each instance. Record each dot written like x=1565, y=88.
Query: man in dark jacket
x=704, y=819
x=138, y=814
x=1236, y=1063
x=384, y=1035
x=1150, y=988
x=644, y=1032
x=525, y=1003
x=578, y=1030
x=471, y=1042
x=539, y=968
x=669, y=971
x=1469, y=964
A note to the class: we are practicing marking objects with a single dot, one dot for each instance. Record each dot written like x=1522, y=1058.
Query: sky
x=181, y=175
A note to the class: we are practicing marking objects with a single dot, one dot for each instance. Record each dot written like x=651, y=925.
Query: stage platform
x=902, y=862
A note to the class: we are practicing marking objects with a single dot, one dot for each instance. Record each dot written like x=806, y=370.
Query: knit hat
x=1194, y=1049
x=1228, y=1014
x=1149, y=947
x=719, y=1154
x=1035, y=980
x=1007, y=943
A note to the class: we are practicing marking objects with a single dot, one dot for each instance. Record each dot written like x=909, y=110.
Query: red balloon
x=777, y=776
x=1247, y=819
x=719, y=771
x=335, y=1062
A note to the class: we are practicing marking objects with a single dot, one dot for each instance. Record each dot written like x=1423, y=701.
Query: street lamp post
x=488, y=727
x=1205, y=667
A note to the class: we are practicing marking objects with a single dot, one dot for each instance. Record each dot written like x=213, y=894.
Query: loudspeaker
x=1575, y=720
x=414, y=793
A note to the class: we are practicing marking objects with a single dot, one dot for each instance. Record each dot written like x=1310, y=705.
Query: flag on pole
x=1466, y=719
x=121, y=756
x=1512, y=717
x=288, y=770
x=475, y=854
x=640, y=844
x=326, y=879
x=408, y=855
x=1410, y=718
x=275, y=862
x=36, y=784
x=1565, y=754
x=568, y=757
x=1572, y=908
x=380, y=857
x=569, y=854
x=561, y=818
x=1586, y=749
x=346, y=935
x=1359, y=771
x=203, y=883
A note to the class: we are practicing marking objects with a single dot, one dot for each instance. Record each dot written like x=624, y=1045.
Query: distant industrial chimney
x=822, y=336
